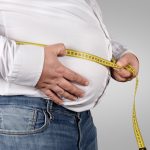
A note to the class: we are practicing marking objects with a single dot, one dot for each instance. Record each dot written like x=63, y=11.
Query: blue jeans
x=36, y=124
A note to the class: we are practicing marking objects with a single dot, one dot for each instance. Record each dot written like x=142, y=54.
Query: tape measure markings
x=107, y=63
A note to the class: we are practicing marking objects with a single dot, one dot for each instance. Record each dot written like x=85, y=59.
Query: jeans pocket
x=19, y=120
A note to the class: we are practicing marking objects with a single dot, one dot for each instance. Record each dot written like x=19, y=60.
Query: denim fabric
x=28, y=123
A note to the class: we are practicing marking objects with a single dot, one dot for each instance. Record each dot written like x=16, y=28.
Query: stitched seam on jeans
x=64, y=112
x=7, y=132
x=33, y=121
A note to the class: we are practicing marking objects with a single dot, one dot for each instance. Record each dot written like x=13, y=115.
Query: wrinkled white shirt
x=76, y=23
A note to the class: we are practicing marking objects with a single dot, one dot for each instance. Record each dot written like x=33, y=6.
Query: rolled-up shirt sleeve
x=118, y=49
x=20, y=64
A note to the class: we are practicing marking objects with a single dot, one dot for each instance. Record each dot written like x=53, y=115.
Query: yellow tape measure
x=111, y=64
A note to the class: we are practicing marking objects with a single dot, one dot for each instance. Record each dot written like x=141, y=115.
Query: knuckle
x=61, y=45
x=40, y=84
x=66, y=94
x=60, y=82
x=48, y=86
x=74, y=77
x=46, y=92
x=60, y=92
x=51, y=96
x=60, y=70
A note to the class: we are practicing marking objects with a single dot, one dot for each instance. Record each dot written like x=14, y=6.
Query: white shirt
x=76, y=23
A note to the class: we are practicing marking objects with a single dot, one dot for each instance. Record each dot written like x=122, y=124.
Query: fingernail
x=82, y=94
x=119, y=63
x=75, y=98
x=65, y=52
x=86, y=83
x=116, y=69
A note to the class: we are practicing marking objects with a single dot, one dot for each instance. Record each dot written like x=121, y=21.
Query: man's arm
x=31, y=65
x=18, y=64
x=120, y=53
x=124, y=57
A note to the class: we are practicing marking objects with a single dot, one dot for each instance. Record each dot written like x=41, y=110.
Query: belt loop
x=78, y=116
x=49, y=108
x=50, y=105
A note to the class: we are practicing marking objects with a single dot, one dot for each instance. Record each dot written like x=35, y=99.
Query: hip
x=98, y=82
x=26, y=120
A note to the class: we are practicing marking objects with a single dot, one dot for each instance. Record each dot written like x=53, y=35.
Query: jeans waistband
x=39, y=103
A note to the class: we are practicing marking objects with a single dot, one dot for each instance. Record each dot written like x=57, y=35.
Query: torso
x=71, y=22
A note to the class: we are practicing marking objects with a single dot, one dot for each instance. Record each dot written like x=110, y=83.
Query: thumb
x=61, y=52
x=60, y=49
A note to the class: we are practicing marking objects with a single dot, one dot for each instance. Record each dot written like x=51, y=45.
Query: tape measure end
x=144, y=148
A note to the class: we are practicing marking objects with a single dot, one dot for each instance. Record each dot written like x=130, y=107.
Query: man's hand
x=123, y=75
x=56, y=79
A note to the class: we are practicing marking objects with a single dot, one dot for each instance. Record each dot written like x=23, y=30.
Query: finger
x=52, y=96
x=117, y=77
x=59, y=49
x=129, y=79
x=129, y=59
x=124, y=73
x=74, y=77
x=62, y=93
x=123, y=61
x=71, y=88
x=59, y=91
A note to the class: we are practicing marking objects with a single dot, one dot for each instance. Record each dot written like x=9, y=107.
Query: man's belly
x=75, y=34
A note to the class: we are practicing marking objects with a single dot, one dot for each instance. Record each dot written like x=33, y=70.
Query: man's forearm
x=22, y=64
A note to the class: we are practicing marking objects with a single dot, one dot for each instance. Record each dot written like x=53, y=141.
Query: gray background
x=128, y=21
